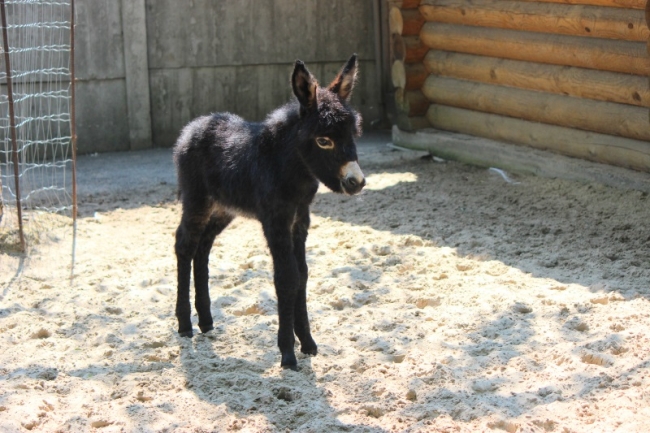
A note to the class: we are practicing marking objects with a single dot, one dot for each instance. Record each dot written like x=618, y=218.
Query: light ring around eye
x=325, y=143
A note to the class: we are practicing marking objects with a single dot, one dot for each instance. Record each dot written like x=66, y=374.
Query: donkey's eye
x=324, y=143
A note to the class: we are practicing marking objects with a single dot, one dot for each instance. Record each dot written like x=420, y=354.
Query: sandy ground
x=444, y=298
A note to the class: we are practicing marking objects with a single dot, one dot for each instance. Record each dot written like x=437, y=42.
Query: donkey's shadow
x=289, y=400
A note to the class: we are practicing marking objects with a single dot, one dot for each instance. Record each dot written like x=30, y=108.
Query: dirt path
x=444, y=298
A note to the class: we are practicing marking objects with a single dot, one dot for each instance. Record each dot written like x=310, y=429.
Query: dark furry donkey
x=268, y=171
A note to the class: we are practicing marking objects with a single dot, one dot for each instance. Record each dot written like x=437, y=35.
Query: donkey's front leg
x=301, y=325
x=286, y=279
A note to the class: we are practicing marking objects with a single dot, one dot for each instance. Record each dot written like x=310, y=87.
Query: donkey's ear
x=304, y=86
x=345, y=80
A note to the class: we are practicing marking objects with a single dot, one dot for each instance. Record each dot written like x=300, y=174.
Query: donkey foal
x=269, y=171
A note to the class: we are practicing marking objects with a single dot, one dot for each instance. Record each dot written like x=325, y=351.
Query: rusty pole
x=647, y=21
x=73, y=141
x=12, y=125
x=73, y=128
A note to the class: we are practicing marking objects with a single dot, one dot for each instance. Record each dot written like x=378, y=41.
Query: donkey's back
x=217, y=158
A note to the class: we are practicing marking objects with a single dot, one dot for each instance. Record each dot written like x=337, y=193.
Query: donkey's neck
x=282, y=134
x=282, y=121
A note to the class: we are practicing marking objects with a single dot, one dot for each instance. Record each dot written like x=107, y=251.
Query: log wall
x=408, y=72
x=531, y=72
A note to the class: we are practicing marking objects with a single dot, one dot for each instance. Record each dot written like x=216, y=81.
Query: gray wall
x=147, y=67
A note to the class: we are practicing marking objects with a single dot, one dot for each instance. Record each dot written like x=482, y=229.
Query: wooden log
x=410, y=4
x=409, y=77
x=406, y=123
x=411, y=102
x=627, y=4
x=401, y=105
x=412, y=21
x=604, y=117
x=398, y=74
x=563, y=80
x=415, y=49
x=416, y=74
x=597, y=22
x=397, y=48
x=592, y=146
x=602, y=54
x=515, y=158
x=395, y=21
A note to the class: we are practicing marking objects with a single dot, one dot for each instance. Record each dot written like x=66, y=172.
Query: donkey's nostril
x=352, y=185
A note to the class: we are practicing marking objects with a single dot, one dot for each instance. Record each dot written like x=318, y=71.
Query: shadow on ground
x=574, y=233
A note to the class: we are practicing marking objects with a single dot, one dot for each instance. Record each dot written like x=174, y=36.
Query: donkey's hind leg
x=188, y=236
x=217, y=223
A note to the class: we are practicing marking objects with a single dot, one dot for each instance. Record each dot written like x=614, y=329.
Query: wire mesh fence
x=36, y=146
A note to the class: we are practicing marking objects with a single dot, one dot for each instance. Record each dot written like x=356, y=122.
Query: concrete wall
x=102, y=116
x=147, y=67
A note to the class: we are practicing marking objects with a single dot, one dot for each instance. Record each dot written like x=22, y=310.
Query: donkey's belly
x=221, y=206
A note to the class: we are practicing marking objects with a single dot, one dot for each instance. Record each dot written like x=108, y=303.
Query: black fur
x=269, y=171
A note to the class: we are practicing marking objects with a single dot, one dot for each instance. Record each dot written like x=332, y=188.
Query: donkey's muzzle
x=352, y=179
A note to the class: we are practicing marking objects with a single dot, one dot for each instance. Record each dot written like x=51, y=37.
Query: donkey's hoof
x=188, y=334
x=289, y=361
x=291, y=367
x=206, y=328
x=309, y=349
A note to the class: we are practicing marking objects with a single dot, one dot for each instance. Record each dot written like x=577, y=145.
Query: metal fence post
x=12, y=125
